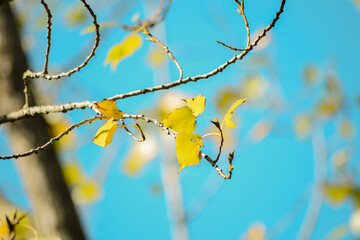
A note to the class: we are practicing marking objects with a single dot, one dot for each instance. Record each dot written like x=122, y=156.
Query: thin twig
x=26, y=93
x=242, y=12
x=166, y=49
x=131, y=134
x=219, y=171
x=52, y=140
x=155, y=19
x=232, y=48
x=32, y=74
x=48, y=36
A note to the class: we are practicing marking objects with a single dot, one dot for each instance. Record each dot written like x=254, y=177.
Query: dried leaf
x=187, y=146
x=227, y=119
x=196, y=104
x=108, y=109
x=123, y=50
x=181, y=120
x=104, y=135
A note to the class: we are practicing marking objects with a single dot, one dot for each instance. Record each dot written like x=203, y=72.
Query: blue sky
x=271, y=177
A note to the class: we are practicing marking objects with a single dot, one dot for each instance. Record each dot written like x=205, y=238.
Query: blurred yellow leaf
x=76, y=15
x=227, y=119
x=181, y=120
x=140, y=154
x=311, y=75
x=187, y=146
x=92, y=28
x=327, y=106
x=256, y=232
x=197, y=104
x=346, y=129
x=338, y=232
x=338, y=193
x=73, y=173
x=254, y=87
x=109, y=109
x=123, y=50
x=303, y=126
x=87, y=192
x=260, y=130
x=104, y=135
x=157, y=57
x=59, y=127
x=340, y=158
x=225, y=97
x=355, y=222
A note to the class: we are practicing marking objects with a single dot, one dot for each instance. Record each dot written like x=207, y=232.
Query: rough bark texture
x=52, y=208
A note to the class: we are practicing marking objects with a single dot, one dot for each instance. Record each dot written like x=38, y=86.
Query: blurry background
x=296, y=140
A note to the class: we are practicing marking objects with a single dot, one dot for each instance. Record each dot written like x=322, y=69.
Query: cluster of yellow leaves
x=104, y=135
x=22, y=230
x=123, y=50
x=83, y=189
x=183, y=121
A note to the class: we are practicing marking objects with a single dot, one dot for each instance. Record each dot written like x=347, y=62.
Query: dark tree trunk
x=52, y=208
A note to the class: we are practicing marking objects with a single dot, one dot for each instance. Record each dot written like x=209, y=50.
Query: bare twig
x=131, y=134
x=220, y=172
x=166, y=49
x=32, y=74
x=48, y=36
x=52, y=140
x=241, y=11
x=155, y=19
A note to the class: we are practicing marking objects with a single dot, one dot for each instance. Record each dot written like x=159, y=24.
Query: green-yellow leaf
x=187, y=146
x=104, y=135
x=123, y=50
x=108, y=109
x=196, y=104
x=227, y=119
x=181, y=120
x=338, y=193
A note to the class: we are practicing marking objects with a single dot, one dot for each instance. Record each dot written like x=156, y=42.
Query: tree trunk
x=52, y=208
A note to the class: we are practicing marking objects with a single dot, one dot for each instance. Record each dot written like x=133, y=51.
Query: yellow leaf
x=140, y=154
x=256, y=232
x=187, y=146
x=260, y=130
x=338, y=193
x=228, y=116
x=328, y=106
x=108, y=109
x=91, y=28
x=76, y=15
x=73, y=173
x=303, y=126
x=196, y=104
x=104, y=135
x=157, y=57
x=346, y=129
x=355, y=222
x=311, y=75
x=87, y=192
x=123, y=50
x=181, y=120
